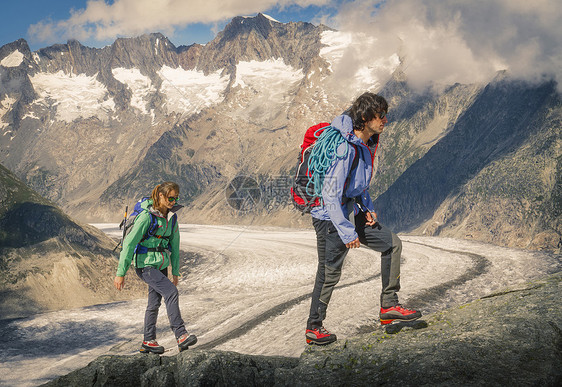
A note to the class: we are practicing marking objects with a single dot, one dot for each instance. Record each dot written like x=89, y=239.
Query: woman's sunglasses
x=172, y=199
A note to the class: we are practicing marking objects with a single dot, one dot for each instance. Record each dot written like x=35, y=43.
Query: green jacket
x=156, y=259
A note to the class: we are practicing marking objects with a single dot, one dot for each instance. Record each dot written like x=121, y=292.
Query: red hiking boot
x=151, y=346
x=397, y=312
x=319, y=336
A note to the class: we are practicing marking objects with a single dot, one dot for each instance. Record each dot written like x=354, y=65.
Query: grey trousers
x=159, y=285
x=332, y=253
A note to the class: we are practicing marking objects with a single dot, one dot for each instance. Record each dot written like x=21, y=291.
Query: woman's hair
x=165, y=189
x=365, y=108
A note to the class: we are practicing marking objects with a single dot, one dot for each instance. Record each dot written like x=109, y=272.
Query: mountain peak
x=13, y=54
x=261, y=23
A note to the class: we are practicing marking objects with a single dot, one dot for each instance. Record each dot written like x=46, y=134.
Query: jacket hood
x=344, y=124
x=146, y=204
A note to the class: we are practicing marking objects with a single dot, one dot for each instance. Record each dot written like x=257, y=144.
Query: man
x=346, y=218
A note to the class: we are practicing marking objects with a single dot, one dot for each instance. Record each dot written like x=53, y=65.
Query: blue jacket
x=334, y=197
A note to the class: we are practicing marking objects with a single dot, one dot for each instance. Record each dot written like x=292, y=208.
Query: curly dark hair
x=364, y=109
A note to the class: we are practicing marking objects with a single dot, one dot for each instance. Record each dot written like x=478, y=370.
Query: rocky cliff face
x=494, y=175
x=94, y=129
x=494, y=340
x=47, y=261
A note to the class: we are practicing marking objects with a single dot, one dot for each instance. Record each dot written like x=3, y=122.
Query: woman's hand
x=119, y=283
x=175, y=279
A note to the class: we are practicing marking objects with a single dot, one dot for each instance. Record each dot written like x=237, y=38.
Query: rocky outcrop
x=512, y=337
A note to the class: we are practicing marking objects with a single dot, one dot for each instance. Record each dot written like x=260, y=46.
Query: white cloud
x=447, y=41
x=102, y=21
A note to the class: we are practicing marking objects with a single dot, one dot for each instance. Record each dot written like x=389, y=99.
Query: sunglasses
x=172, y=199
x=382, y=114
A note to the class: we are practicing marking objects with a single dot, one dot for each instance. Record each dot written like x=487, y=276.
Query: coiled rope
x=323, y=154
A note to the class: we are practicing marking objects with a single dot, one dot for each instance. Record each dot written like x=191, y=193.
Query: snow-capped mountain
x=94, y=129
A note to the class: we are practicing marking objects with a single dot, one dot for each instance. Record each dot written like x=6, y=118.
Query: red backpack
x=302, y=191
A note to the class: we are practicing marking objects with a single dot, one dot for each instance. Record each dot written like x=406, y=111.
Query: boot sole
x=150, y=350
x=313, y=342
x=189, y=341
x=389, y=321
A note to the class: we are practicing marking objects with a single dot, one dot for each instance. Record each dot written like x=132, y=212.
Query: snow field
x=140, y=85
x=191, y=90
x=241, y=286
x=74, y=96
x=271, y=78
x=14, y=59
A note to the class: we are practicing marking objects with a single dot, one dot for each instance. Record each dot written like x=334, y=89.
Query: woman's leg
x=159, y=283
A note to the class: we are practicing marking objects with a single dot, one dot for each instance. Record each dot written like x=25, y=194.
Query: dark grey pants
x=331, y=255
x=159, y=285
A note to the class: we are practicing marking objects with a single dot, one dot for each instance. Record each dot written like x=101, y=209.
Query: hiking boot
x=151, y=346
x=319, y=336
x=397, y=312
x=185, y=340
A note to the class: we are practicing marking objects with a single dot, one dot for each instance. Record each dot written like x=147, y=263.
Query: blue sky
x=19, y=17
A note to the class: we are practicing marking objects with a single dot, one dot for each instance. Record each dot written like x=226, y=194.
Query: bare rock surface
x=509, y=337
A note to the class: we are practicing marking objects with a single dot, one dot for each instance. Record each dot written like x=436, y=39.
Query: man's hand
x=371, y=218
x=353, y=244
x=119, y=283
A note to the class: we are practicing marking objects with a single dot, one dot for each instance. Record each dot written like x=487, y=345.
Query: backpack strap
x=151, y=232
x=345, y=200
x=151, y=228
x=354, y=165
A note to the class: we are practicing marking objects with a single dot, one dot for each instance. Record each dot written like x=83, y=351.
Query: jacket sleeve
x=175, y=245
x=332, y=193
x=140, y=227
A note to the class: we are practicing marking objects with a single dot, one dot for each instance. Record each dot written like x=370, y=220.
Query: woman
x=152, y=255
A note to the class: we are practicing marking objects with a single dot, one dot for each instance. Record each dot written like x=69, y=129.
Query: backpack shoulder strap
x=152, y=227
x=354, y=164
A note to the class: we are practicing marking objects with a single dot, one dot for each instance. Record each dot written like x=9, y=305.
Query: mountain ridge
x=204, y=114
x=48, y=261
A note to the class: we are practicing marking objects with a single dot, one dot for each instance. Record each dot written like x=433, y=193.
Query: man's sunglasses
x=382, y=114
x=173, y=199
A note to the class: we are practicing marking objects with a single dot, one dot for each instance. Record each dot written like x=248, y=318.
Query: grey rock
x=512, y=337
